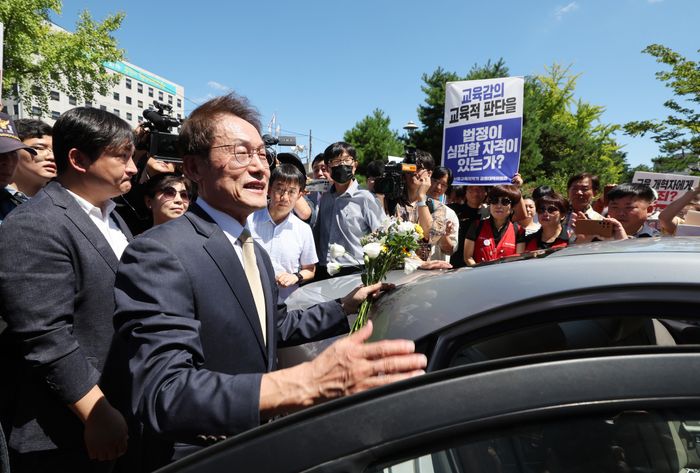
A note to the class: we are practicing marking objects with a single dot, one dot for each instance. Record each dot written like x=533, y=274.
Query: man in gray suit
x=198, y=320
x=58, y=259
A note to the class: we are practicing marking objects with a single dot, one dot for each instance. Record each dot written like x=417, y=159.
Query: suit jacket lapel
x=82, y=222
x=219, y=248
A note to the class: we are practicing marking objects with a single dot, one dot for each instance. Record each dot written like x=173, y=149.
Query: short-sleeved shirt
x=290, y=243
x=344, y=219
x=436, y=252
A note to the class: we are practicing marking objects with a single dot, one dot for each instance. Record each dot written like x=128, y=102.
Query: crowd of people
x=145, y=300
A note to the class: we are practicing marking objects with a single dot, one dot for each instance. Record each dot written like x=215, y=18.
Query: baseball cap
x=9, y=141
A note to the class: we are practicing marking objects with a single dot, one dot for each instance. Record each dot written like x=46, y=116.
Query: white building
x=136, y=91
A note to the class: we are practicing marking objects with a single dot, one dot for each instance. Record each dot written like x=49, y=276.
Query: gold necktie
x=253, y=276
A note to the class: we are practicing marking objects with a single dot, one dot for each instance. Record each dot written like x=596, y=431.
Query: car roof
x=428, y=300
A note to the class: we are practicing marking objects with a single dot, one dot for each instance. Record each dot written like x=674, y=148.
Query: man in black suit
x=197, y=318
x=58, y=259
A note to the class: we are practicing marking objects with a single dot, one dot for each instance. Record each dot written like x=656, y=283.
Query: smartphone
x=318, y=185
x=594, y=227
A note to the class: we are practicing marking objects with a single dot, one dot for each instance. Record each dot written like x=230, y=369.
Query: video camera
x=391, y=183
x=162, y=143
x=271, y=141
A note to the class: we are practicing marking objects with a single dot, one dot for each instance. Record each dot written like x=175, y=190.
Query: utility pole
x=309, y=155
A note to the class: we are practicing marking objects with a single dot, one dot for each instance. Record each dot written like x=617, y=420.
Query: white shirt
x=290, y=244
x=231, y=227
x=105, y=223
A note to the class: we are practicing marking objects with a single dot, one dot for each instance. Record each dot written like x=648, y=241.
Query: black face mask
x=341, y=174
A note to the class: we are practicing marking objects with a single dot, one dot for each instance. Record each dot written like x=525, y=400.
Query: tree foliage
x=562, y=136
x=373, y=139
x=678, y=136
x=39, y=58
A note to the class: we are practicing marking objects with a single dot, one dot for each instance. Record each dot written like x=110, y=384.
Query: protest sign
x=482, y=133
x=669, y=187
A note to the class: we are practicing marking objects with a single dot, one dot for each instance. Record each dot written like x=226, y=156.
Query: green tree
x=39, y=58
x=563, y=136
x=678, y=136
x=373, y=139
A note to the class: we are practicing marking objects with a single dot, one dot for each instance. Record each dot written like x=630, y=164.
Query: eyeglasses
x=550, y=210
x=41, y=153
x=505, y=201
x=169, y=193
x=244, y=156
x=281, y=192
x=346, y=161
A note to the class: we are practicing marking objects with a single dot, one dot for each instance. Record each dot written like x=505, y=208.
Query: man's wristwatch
x=300, y=278
x=420, y=203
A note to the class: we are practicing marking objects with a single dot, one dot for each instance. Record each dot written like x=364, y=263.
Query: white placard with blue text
x=482, y=136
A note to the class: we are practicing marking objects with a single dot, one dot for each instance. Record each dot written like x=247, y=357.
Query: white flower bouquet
x=392, y=246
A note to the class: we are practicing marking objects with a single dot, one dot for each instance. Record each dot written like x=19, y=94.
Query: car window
x=577, y=327
x=620, y=442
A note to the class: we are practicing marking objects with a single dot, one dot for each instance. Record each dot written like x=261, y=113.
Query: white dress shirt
x=231, y=227
x=290, y=244
x=105, y=223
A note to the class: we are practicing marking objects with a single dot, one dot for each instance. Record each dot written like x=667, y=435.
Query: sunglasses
x=550, y=210
x=169, y=193
x=505, y=201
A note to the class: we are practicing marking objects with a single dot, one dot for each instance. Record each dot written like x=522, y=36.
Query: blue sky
x=323, y=66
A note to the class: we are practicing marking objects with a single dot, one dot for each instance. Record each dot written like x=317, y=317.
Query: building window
x=116, y=111
x=55, y=115
x=71, y=100
x=88, y=104
x=179, y=116
x=55, y=95
x=140, y=119
x=139, y=87
x=103, y=107
x=36, y=111
x=128, y=83
x=150, y=91
x=128, y=100
x=179, y=103
x=4, y=109
x=16, y=108
x=115, y=95
x=160, y=95
x=139, y=104
x=128, y=116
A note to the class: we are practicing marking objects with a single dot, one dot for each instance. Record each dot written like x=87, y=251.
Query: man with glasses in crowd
x=287, y=239
x=197, y=314
x=346, y=214
x=33, y=171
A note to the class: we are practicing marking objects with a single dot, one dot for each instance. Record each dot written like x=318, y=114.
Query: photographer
x=413, y=205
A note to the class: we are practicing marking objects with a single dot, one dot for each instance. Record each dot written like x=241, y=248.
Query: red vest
x=485, y=248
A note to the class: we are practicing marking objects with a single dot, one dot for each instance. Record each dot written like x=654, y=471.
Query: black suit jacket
x=56, y=293
x=189, y=352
